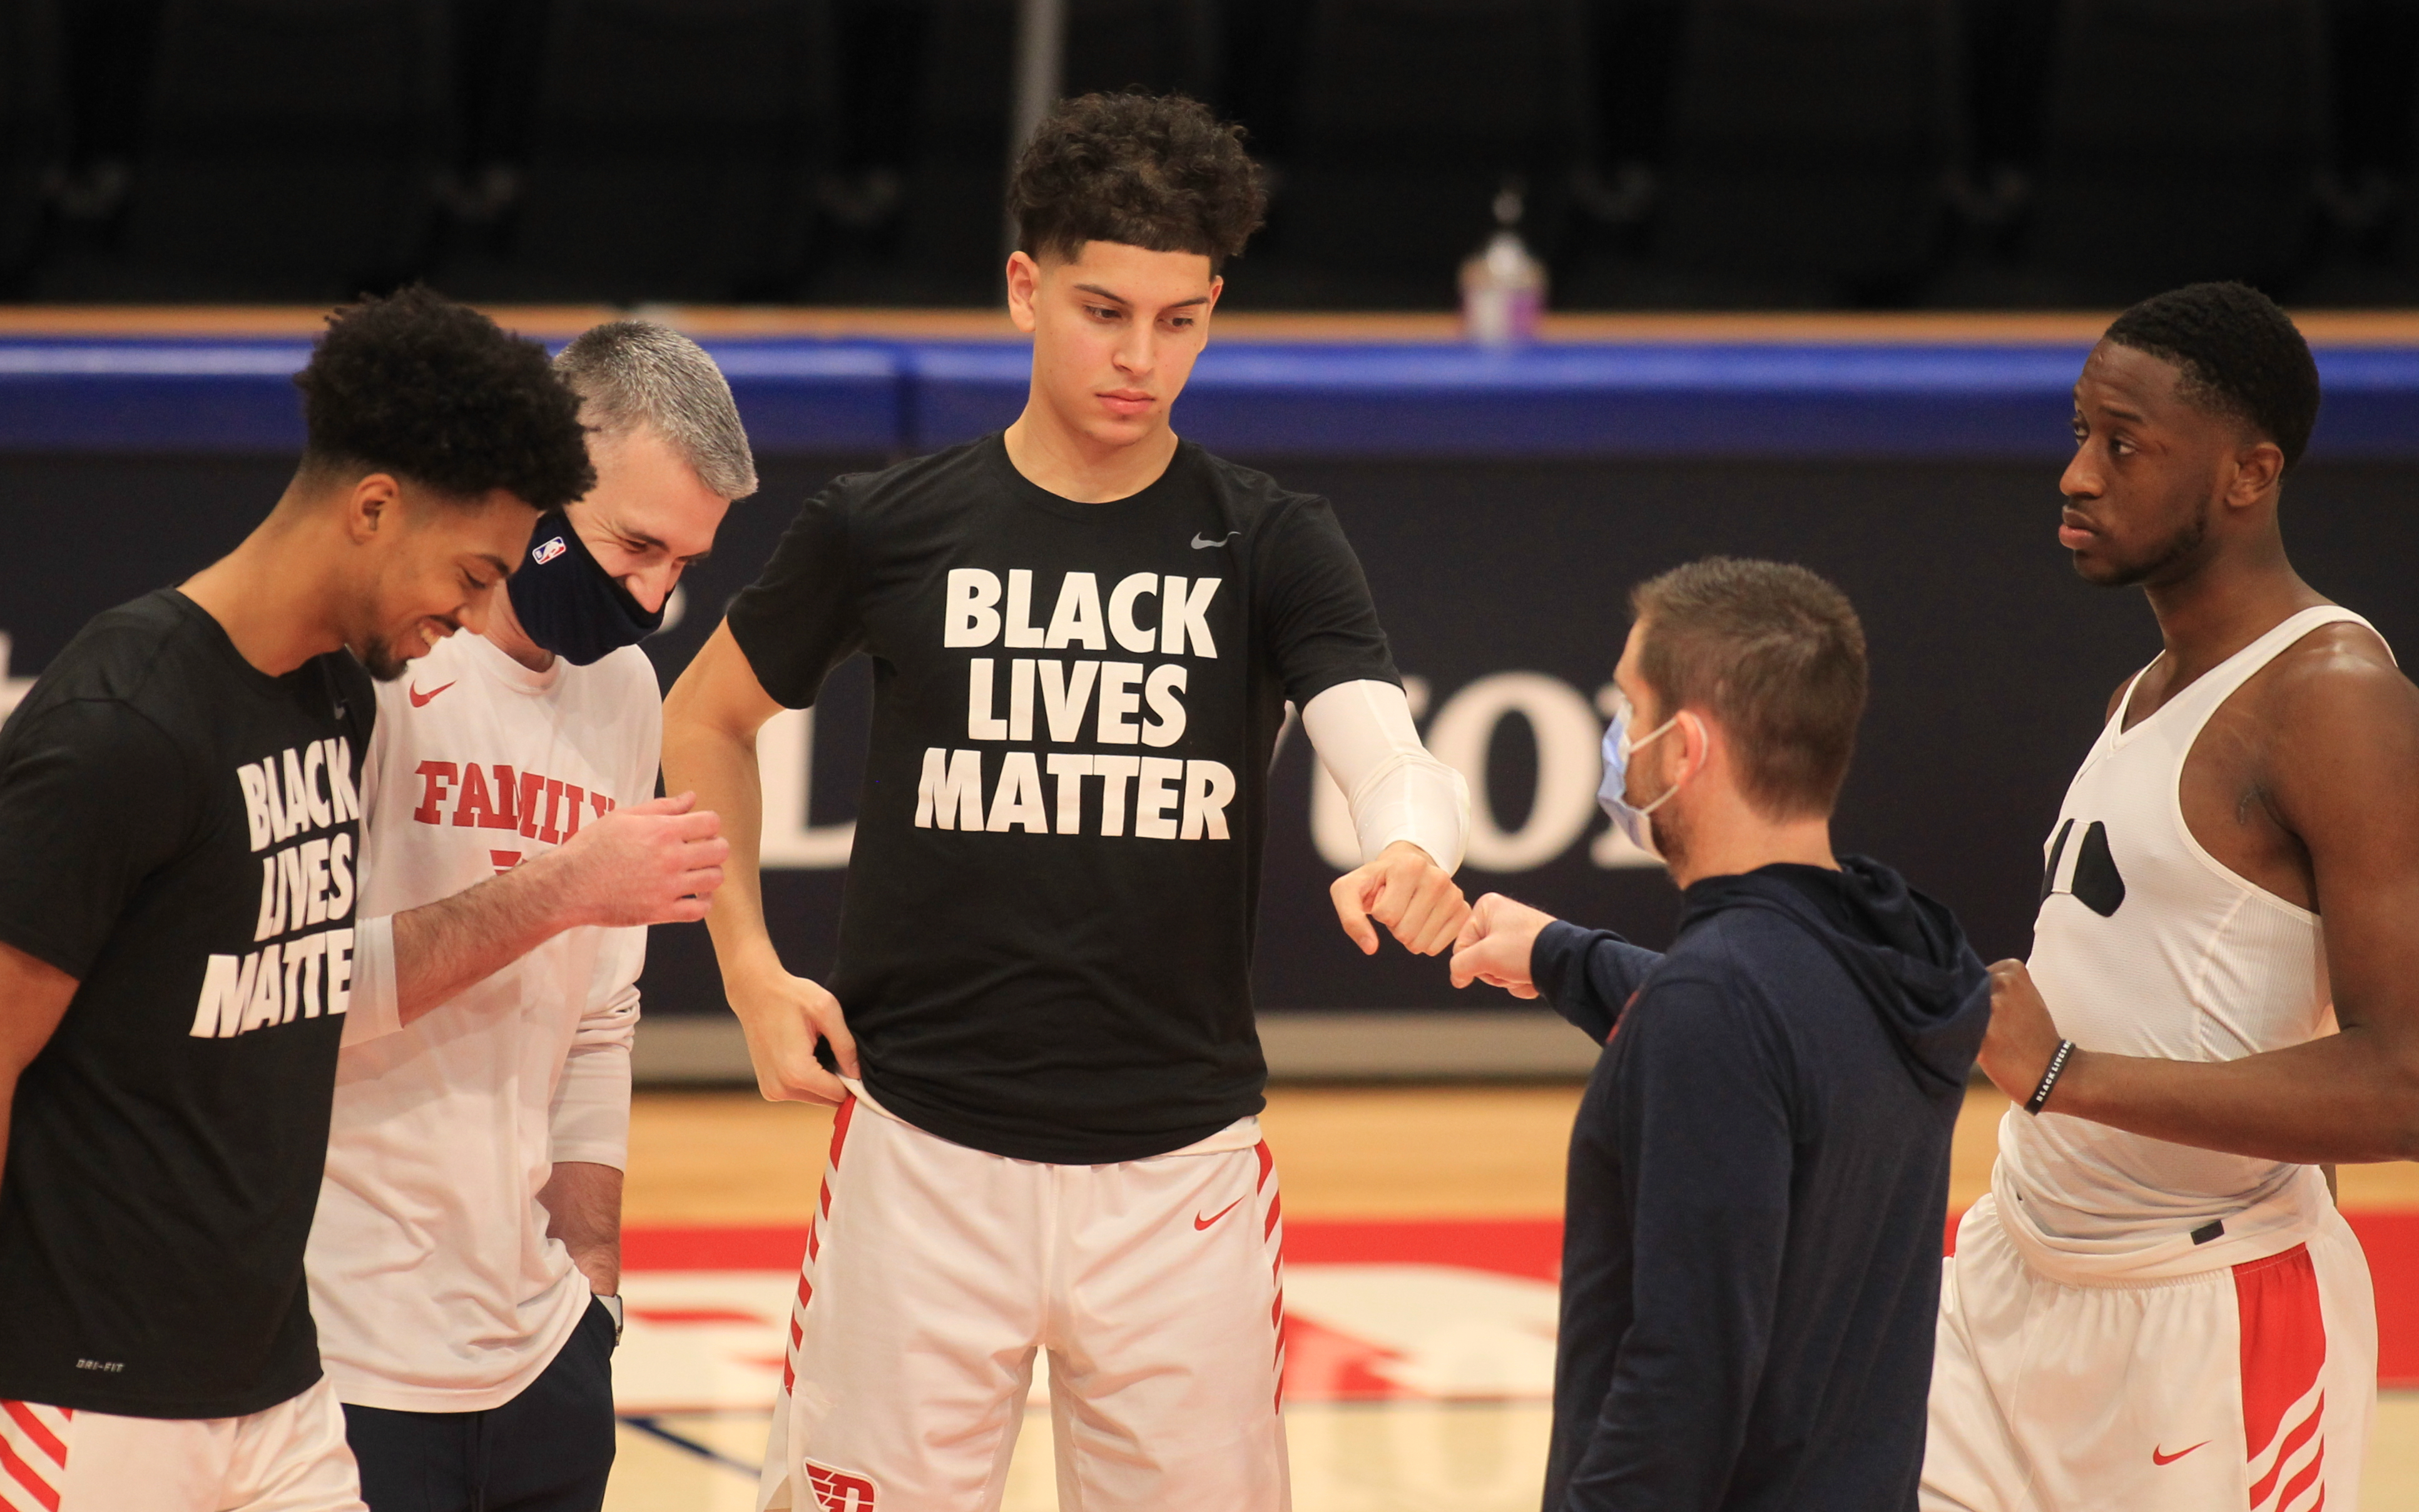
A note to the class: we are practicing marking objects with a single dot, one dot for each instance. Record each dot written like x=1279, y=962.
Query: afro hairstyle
x=1152, y=171
x=434, y=392
x=2239, y=354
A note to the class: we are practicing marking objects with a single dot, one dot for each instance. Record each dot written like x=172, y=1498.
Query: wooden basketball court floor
x=1421, y=1232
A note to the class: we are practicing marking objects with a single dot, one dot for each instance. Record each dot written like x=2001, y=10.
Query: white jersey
x=433, y=1281
x=2147, y=945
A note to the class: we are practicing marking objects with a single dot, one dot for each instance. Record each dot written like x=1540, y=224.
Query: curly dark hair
x=2240, y=355
x=1152, y=171
x=434, y=391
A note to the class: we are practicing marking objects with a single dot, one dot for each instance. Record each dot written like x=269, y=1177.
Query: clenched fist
x=2017, y=1047
x=655, y=862
x=1496, y=944
x=1406, y=891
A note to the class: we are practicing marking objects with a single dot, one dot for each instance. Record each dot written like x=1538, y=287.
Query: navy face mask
x=568, y=604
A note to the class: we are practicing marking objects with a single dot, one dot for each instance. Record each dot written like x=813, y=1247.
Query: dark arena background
x=1818, y=275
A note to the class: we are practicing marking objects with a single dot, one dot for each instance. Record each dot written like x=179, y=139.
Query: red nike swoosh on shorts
x=1201, y=1223
x=2158, y=1459
x=420, y=700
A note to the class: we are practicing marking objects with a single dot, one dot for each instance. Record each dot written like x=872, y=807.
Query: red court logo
x=837, y=1491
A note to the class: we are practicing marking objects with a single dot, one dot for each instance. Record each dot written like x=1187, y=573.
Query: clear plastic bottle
x=1503, y=287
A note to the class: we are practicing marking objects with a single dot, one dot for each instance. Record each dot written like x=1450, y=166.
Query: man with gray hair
x=464, y=1263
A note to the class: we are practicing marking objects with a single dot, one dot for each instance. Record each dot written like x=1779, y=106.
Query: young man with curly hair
x=2157, y=1305
x=1085, y=633
x=180, y=864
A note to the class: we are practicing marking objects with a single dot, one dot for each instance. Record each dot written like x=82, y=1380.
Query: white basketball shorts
x=2247, y=1386
x=933, y=1275
x=289, y=1458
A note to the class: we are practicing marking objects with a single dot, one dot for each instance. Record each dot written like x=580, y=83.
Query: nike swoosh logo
x=2158, y=1459
x=420, y=700
x=1200, y=1223
x=1202, y=543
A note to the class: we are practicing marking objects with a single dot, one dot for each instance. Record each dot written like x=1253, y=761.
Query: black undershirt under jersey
x=1045, y=942
x=178, y=832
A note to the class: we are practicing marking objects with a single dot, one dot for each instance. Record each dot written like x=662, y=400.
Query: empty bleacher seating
x=33, y=129
x=1813, y=140
x=2181, y=139
x=287, y=149
x=671, y=151
x=1409, y=117
x=1670, y=152
x=949, y=237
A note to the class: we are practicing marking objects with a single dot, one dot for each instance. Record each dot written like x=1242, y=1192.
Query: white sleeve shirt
x=433, y=1282
x=1395, y=789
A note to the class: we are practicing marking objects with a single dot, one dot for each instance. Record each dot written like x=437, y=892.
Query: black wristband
x=2049, y=1077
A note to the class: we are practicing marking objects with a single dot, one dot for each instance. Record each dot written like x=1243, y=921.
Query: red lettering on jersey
x=572, y=795
x=476, y=807
x=436, y=774
x=531, y=784
x=553, y=796
x=504, y=860
x=602, y=804
x=488, y=807
x=507, y=816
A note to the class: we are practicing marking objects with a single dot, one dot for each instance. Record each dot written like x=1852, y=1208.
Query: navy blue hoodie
x=1758, y=1181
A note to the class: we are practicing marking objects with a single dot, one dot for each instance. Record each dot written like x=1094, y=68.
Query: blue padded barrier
x=185, y=395
x=1813, y=400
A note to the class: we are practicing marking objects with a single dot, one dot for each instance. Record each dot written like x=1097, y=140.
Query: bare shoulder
x=2336, y=712
x=2338, y=672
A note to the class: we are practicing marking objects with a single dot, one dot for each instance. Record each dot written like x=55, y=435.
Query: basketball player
x=464, y=1263
x=2157, y=1305
x=179, y=849
x=1084, y=633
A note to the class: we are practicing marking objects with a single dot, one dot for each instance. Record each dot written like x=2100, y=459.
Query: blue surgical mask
x=568, y=603
x=1614, y=792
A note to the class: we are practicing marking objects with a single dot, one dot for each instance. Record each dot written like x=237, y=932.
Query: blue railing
x=1258, y=398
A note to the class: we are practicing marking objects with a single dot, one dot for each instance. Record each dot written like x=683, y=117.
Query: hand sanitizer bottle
x=1503, y=287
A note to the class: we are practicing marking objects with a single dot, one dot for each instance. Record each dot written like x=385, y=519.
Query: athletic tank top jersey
x=2147, y=945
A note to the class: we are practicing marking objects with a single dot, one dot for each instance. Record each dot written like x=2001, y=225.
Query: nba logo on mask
x=547, y=552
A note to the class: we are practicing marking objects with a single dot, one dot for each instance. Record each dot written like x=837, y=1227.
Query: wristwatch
x=613, y=1309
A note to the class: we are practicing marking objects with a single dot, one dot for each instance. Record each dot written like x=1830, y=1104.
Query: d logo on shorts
x=837, y=1491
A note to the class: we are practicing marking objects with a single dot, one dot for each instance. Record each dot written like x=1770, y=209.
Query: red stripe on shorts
x=2284, y=1348
x=39, y=1431
x=839, y=1128
x=29, y=1484
x=814, y=1245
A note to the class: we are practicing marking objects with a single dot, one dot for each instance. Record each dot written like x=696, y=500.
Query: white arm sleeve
x=590, y=1120
x=372, y=1008
x=1363, y=734
x=590, y=1117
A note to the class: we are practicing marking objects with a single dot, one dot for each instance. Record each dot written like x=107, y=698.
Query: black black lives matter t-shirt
x=179, y=832
x=1046, y=938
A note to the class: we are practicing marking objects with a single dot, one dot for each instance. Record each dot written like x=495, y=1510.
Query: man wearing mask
x=466, y=1258
x=1759, y=1172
